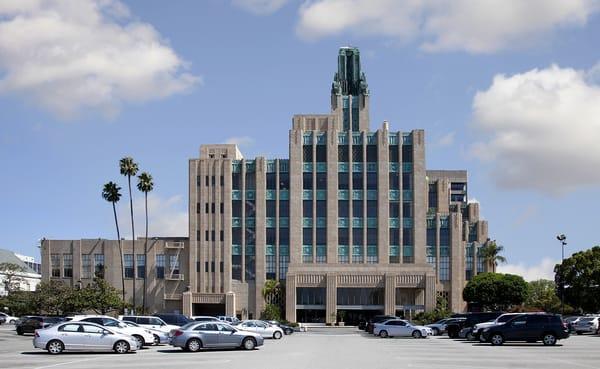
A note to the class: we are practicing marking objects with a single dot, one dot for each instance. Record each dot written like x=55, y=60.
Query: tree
x=496, y=291
x=491, y=254
x=129, y=168
x=578, y=277
x=111, y=193
x=52, y=297
x=542, y=296
x=271, y=312
x=101, y=297
x=145, y=185
x=12, y=276
x=440, y=312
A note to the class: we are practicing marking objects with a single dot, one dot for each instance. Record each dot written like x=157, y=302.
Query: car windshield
x=52, y=320
x=440, y=321
x=504, y=318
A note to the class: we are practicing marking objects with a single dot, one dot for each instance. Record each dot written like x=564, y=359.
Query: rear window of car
x=131, y=319
x=585, y=320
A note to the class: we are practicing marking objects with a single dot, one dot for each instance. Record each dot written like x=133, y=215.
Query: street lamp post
x=563, y=241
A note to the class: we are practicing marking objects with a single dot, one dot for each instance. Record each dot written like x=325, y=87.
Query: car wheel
x=435, y=331
x=193, y=345
x=19, y=331
x=249, y=343
x=277, y=335
x=417, y=334
x=121, y=347
x=140, y=340
x=383, y=334
x=55, y=347
x=12, y=321
x=156, y=340
x=289, y=331
x=549, y=339
x=497, y=339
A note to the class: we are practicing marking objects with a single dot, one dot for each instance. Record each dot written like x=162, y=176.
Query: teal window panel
x=270, y=222
x=394, y=223
x=236, y=222
x=407, y=222
x=321, y=138
x=372, y=250
x=271, y=166
x=357, y=138
x=270, y=250
x=357, y=250
x=236, y=249
x=343, y=194
x=430, y=222
x=371, y=194
x=284, y=222
x=284, y=195
x=394, y=250
x=372, y=138
x=321, y=167
x=343, y=250
x=307, y=194
x=271, y=194
x=343, y=167
x=236, y=166
x=357, y=222
x=307, y=250
x=307, y=167
x=321, y=194
x=250, y=222
x=307, y=138
x=250, y=250
x=443, y=222
x=357, y=167
x=371, y=222
x=307, y=222
x=407, y=195
x=236, y=195
x=407, y=250
x=284, y=165
x=343, y=222
x=342, y=138
x=284, y=250
x=371, y=167
x=357, y=194
x=407, y=167
x=321, y=250
x=393, y=138
x=321, y=222
x=394, y=167
x=444, y=251
x=407, y=139
x=250, y=166
x=250, y=194
x=394, y=195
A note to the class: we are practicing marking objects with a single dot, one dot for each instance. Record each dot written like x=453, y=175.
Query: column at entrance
x=187, y=303
x=230, y=304
x=390, y=295
x=430, y=297
x=331, y=298
x=290, y=298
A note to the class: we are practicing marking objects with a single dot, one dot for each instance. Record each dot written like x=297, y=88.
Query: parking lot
x=321, y=348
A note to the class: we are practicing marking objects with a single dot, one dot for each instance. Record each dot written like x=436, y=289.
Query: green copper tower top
x=349, y=92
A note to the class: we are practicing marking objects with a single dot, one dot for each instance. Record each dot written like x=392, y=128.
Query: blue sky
x=508, y=90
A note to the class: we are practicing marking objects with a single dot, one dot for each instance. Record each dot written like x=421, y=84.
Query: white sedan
x=401, y=328
x=263, y=328
x=9, y=319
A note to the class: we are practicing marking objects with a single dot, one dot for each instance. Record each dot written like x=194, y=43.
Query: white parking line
x=65, y=363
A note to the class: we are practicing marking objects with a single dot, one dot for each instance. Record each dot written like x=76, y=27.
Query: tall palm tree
x=111, y=193
x=491, y=254
x=145, y=185
x=129, y=168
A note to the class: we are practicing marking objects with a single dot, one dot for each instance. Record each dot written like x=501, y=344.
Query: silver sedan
x=198, y=335
x=80, y=336
x=400, y=328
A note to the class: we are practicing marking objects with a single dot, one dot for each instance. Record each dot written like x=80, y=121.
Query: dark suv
x=29, y=324
x=378, y=319
x=547, y=328
x=174, y=319
x=470, y=320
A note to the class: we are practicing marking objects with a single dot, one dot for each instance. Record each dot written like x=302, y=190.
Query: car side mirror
x=105, y=332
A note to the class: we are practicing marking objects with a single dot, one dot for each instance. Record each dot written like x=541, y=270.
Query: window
x=371, y=236
x=394, y=210
x=212, y=208
x=55, y=264
x=99, y=265
x=160, y=266
x=407, y=181
x=284, y=261
x=343, y=208
x=357, y=153
x=371, y=181
x=271, y=181
x=128, y=265
x=250, y=236
x=321, y=208
x=236, y=208
x=206, y=181
x=321, y=181
x=321, y=153
x=236, y=181
x=394, y=236
x=407, y=236
x=343, y=181
x=357, y=181
x=307, y=153
x=431, y=233
x=394, y=181
x=250, y=181
x=221, y=235
x=444, y=268
x=307, y=180
x=433, y=196
x=86, y=266
x=271, y=266
x=284, y=181
x=68, y=265
x=205, y=235
x=307, y=238
x=270, y=236
x=458, y=186
x=236, y=267
x=173, y=265
x=236, y=236
x=92, y=329
x=444, y=237
x=372, y=209
x=250, y=267
x=357, y=236
x=284, y=236
x=407, y=210
x=222, y=208
x=141, y=265
x=212, y=180
x=343, y=153
x=284, y=209
x=206, y=208
x=222, y=180
x=250, y=209
x=343, y=254
x=371, y=153
x=343, y=236
x=357, y=209
x=407, y=153
x=394, y=153
x=307, y=211
x=321, y=236
x=310, y=296
x=70, y=328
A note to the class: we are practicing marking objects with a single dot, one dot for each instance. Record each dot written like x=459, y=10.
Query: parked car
x=30, y=323
x=2, y=320
x=475, y=332
x=286, y=328
x=586, y=324
x=80, y=336
x=378, y=319
x=142, y=335
x=204, y=318
x=439, y=327
x=228, y=319
x=548, y=328
x=160, y=337
x=8, y=319
x=570, y=321
x=470, y=319
x=265, y=329
x=150, y=322
x=198, y=335
x=401, y=328
x=178, y=320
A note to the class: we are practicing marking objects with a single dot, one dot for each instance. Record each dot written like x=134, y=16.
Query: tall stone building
x=352, y=221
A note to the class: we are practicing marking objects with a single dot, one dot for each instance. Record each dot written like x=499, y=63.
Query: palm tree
x=129, y=168
x=491, y=254
x=145, y=185
x=111, y=193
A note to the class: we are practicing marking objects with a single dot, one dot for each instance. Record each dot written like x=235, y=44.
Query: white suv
x=148, y=321
x=142, y=335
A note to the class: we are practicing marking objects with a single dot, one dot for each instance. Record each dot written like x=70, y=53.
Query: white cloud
x=70, y=56
x=166, y=216
x=446, y=140
x=241, y=141
x=477, y=26
x=260, y=7
x=543, y=270
x=541, y=128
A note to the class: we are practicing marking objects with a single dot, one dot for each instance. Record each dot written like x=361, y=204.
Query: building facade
x=352, y=223
x=25, y=278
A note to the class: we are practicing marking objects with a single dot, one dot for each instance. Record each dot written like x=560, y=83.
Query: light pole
x=563, y=241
